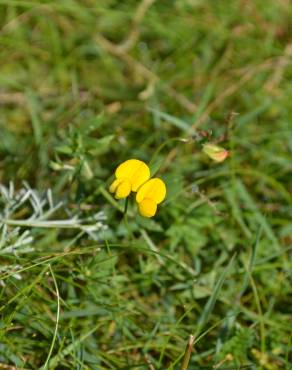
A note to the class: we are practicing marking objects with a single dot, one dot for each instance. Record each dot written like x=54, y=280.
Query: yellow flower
x=130, y=175
x=215, y=152
x=149, y=195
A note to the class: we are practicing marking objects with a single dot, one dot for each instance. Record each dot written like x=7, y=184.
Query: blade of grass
x=204, y=318
x=177, y=122
x=251, y=263
x=57, y=320
x=251, y=204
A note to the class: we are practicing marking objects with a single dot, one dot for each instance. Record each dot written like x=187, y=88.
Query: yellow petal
x=141, y=175
x=128, y=168
x=123, y=189
x=135, y=170
x=114, y=185
x=147, y=207
x=154, y=189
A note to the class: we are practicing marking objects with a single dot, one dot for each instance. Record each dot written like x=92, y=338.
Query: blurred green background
x=86, y=85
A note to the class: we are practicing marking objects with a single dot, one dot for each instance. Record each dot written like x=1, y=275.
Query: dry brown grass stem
x=146, y=73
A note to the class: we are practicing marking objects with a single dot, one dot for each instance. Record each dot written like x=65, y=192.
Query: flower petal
x=147, y=207
x=123, y=189
x=127, y=168
x=154, y=189
x=135, y=170
x=114, y=185
x=141, y=175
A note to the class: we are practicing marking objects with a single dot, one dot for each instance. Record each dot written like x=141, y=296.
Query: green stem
x=161, y=146
x=126, y=207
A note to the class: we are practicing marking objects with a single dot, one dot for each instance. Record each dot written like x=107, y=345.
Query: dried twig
x=233, y=88
x=149, y=363
x=10, y=367
x=12, y=98
x=144, y=72
x=280, y=67
x=188, y=352
x=134, y=34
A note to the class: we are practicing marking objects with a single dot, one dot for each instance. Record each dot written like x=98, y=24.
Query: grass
x=88, y=84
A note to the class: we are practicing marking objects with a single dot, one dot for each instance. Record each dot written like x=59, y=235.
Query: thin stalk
x=188, y=352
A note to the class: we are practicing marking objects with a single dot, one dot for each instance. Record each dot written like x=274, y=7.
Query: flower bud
x=215, y=152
